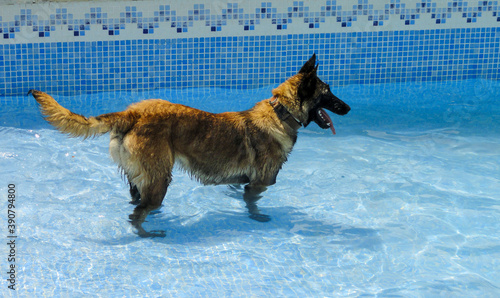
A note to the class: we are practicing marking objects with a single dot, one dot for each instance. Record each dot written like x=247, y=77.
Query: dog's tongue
x=325, y=116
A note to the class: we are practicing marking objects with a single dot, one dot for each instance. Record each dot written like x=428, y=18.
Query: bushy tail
x=77, y=125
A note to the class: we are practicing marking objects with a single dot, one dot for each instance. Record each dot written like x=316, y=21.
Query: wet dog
x=246, y=147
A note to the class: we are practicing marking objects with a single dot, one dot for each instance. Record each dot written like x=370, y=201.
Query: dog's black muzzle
x=334, y=104
x=331, y=103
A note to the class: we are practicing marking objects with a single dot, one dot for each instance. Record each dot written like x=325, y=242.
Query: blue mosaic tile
x=82, y=66
x=249, y=61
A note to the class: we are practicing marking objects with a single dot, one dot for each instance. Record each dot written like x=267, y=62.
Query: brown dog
x=246, y=147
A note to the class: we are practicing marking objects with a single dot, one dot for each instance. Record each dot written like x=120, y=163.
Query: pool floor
x=403, y=201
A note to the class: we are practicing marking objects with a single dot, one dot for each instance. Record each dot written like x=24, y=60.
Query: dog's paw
x=260, y=217
x=157, y=233
x=152, y=234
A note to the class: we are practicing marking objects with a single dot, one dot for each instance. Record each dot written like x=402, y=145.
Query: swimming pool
x=403, y=201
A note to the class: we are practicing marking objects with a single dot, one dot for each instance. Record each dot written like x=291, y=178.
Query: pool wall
x=86, y=47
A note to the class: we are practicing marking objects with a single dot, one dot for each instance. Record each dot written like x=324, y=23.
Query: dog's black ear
x=315, y=71
x=309, y=65
x=308, y=84
x=309, y=79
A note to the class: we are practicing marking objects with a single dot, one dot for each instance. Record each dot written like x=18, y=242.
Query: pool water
x=403, y=201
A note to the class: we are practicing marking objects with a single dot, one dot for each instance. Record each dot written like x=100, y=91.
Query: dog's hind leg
x=151, y=194
x=134, y=193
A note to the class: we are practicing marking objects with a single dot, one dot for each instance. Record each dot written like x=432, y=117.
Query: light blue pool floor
x=403, y=201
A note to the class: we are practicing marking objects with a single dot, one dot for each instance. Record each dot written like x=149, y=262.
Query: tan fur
x=73, y=124
x=214, y=148
x=150, y=136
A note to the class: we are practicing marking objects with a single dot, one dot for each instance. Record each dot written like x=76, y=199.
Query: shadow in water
x=227, y=225
x=219, y=227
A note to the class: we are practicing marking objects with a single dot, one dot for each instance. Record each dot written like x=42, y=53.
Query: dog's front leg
x=251, y=196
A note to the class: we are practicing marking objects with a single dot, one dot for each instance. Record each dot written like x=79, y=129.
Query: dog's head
x=306, y=96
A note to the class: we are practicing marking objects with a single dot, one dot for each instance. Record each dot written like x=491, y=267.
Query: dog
x=247, y=147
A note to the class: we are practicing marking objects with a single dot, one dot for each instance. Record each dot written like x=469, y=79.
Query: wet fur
x=150, y=136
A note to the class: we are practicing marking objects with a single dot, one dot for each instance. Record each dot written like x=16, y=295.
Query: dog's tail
x=77, y=125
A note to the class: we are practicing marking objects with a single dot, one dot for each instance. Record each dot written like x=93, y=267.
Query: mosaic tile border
x=86, y=47
x=147, y=18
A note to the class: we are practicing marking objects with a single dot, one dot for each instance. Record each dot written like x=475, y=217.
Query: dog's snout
x=341, y=108
x=345, y=109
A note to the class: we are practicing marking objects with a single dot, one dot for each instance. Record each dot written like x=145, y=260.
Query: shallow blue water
x=403, y=201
